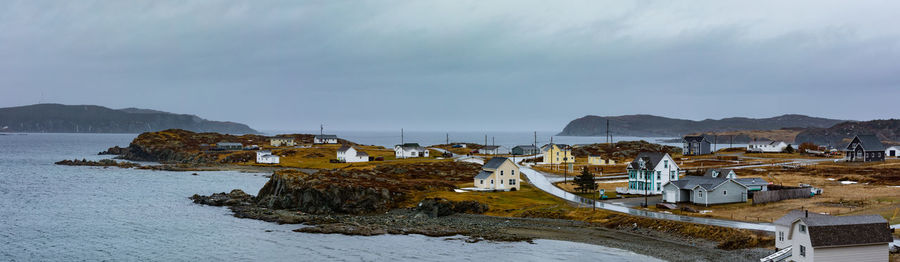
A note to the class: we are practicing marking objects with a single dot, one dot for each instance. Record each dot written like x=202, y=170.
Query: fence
x=762, y=197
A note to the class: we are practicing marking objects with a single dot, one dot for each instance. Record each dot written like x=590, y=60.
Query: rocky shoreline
x=439, y=218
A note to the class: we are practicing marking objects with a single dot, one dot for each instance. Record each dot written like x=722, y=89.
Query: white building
x=499, y=173
x=767, y=146
x=807, y=236
x=410, y=150
x=893, y=151
x=493, y=150
x=266, y=157
x=325, y=139
x=648, y=173
x=349, y=154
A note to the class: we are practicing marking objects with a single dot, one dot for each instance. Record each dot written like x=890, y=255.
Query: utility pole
x=485, y=140
x=716, y=143
x=401, y=136
x=321, y=129
x=448, y=138
x=493, y=141
x=535, y=139
x=607, y=132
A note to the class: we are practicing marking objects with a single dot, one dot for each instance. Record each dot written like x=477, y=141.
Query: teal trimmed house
x=648, y=172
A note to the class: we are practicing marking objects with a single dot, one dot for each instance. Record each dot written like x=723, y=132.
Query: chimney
x=807, y=213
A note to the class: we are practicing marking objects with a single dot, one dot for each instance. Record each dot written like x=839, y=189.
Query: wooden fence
x=762, y=197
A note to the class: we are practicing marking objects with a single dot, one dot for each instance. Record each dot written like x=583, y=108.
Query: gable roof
x=526, y=147
x=847, y=230
x=691, y=182
x=344, y=148
x=793, y=215
x=722, y=171
x=483, y=174
x=694, y=139
x=765, y=142
x=868, y=143
x=751, y=181
x=326, y=137
x=560, y=146
x=411, y=146
x=651, y=158
x=494, y=162
x=361, y=153
x=284, y=137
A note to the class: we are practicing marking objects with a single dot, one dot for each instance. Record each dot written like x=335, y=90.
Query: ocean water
x=65, y=213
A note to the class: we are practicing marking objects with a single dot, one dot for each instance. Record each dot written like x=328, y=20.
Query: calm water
x=62, y=213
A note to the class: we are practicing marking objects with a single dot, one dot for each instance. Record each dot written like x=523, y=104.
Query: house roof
x=228, y=144
x=494, y=162
x=284, y=137
x=361, y=153
x=764, y=142
x=411, y=146
x=344, y=148
x=526, y=147
x=691, y=182
x=326, y=137
x=483, y=174
x=264, y=152
x=561, y=146
x=869, y=143
x=751, y=181
x=847, y=230
x=721, y=171
x=490, y=147
x=651, y=158
x=793, y=215
x=694, y=139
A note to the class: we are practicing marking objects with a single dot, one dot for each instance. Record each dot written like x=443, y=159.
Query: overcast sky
x=454, y=65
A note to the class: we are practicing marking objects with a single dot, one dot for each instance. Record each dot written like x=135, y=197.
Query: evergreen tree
x=789, y=149
x=585, y=182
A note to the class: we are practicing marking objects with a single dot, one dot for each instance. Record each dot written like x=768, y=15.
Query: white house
x=282, y=141
x=325, y=139
x=266, y=157
x=807, y=236
x=492, y=150
x=717, y=186
x=410, y=150
x=499, y=173
x=648, y=173
x=767, y=146
x=349, y=154
x=893, y=151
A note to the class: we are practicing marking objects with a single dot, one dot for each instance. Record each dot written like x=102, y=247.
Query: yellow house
x=282, y=141
x=557, y=154
x=598, y=160
x=499, y=173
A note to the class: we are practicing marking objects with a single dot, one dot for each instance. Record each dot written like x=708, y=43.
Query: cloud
x=457, y=65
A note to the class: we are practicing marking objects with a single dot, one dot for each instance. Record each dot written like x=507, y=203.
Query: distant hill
x=656, y=126
x=886, y=130
x=57, y=118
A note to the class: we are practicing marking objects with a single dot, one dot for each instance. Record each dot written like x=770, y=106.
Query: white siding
x=853, y=253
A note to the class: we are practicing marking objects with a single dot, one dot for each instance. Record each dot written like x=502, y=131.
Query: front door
x=892, y=153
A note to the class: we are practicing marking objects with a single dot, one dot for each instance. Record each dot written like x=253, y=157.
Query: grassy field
x=319, y=157
x=527, y=200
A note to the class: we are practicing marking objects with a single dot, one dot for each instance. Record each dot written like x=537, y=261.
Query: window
x=512, y=182
x=802, y=228
x=780, y=235
x=501, y=181
x=512, y=172
x=658, y=175
x=657, y=186
x=802, y=251
x=724, y=192
x=492, y=181
x=481, y=182
x=501, y=172
x=666, y=164
x=700, y=193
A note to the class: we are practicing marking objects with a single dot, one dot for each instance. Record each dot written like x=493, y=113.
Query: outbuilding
x=350, y=154
x=325, y=139
x=266, y=157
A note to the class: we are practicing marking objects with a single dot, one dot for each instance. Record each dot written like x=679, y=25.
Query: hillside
x=656, y=126
x=57, y=118
x=886, y=130
x=745, y=136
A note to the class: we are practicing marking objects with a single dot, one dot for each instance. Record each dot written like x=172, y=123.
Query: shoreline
x=424, y=220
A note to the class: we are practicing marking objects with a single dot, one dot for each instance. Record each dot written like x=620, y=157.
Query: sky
x=454, y=65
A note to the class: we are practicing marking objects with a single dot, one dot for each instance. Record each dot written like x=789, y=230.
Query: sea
x=72, y=213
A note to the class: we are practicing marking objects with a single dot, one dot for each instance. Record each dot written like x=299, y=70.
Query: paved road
x=540, y=181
